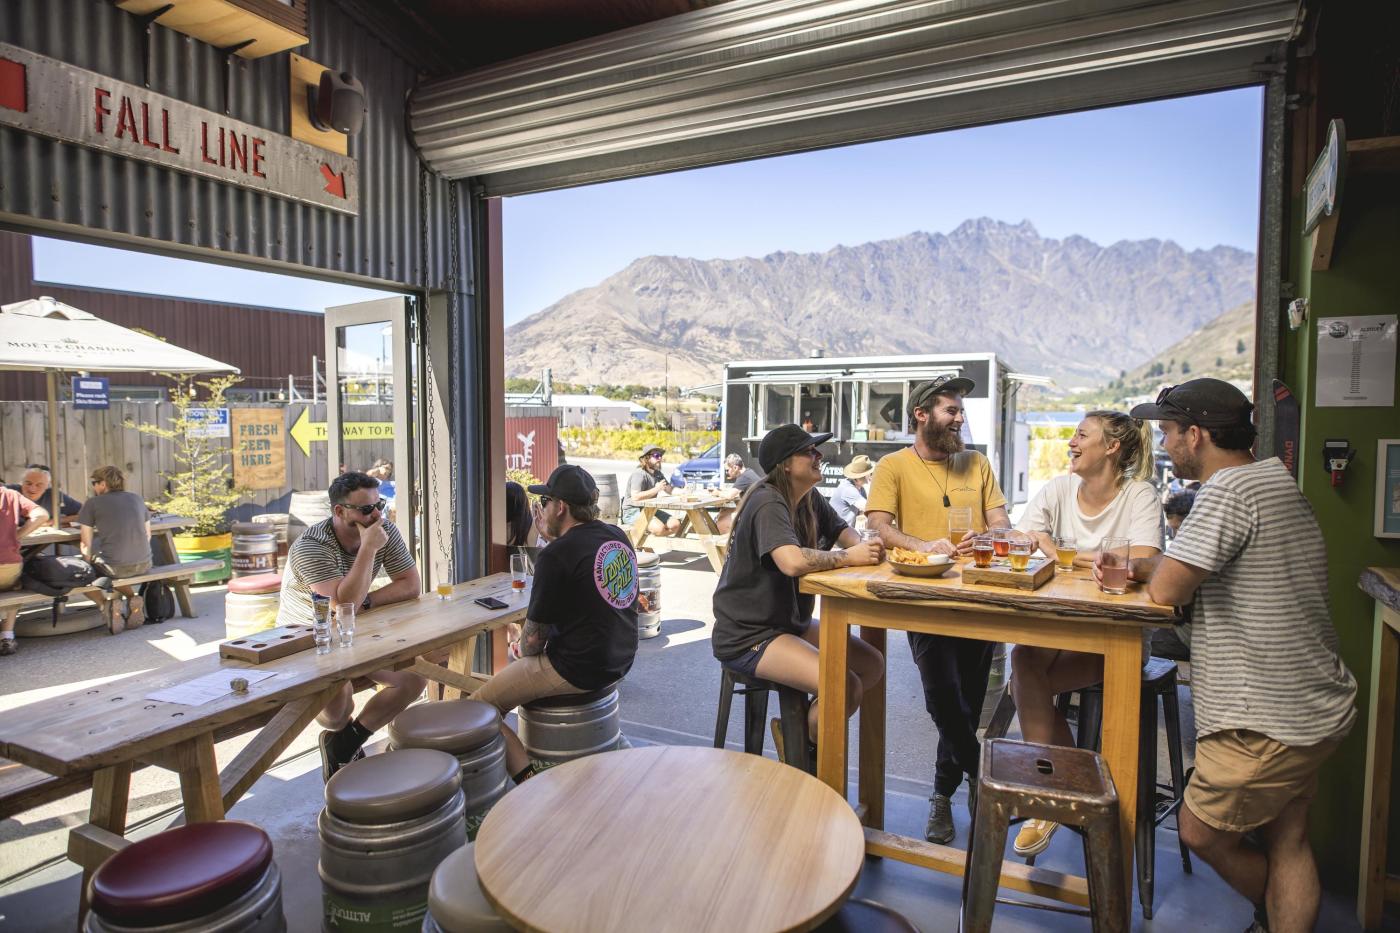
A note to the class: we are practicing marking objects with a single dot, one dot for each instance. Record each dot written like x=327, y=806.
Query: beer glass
x=1113, y=565
x=345, y=623
x=1001, y=542
x=517, y=572
x=959, y=524
x=1019, y=548
x=982, y=551
x=1066, y=549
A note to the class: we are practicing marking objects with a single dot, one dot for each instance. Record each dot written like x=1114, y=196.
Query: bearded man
x=910, y=497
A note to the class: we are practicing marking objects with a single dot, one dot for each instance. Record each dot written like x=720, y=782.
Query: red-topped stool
x=251, y=603
x=205, y=876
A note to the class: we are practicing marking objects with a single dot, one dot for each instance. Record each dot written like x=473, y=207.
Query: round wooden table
x=669, y=838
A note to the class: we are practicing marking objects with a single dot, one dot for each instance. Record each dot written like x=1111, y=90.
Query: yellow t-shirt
x=903, y=486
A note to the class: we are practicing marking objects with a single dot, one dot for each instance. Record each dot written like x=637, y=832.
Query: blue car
x=703, y=469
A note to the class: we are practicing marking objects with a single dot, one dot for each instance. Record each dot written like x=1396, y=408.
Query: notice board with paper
x=1356, y=361
x=259, y=448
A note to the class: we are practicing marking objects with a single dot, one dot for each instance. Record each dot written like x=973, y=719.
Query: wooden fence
x=89, y=438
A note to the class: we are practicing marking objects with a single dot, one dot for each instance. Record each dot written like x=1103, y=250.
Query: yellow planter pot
x=203, y=542
x=199, y=547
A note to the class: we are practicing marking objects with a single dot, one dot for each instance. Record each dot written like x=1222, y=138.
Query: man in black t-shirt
x=581, y=630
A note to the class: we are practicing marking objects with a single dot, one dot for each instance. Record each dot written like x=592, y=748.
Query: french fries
x=902, y=555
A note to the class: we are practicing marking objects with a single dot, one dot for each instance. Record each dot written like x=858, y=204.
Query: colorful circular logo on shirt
x=615, y=574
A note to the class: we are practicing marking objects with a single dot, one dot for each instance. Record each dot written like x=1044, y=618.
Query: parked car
x=703, y=469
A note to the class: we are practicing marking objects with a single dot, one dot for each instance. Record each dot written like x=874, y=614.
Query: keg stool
x=388, y=822
x=206, y=876
x=455, y=901
x=251, y=604
x=862, y=916
x=1158, y=687
x=561, y=728
x=467, y=729
x=1071, y=786
x=793, y=706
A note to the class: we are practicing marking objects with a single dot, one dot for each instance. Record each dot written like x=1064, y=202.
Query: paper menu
x=1356, y=361
x=208, y=688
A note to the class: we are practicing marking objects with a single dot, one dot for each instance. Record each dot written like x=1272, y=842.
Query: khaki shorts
x=9, y=575
x=1244, y=779
x=524, y=680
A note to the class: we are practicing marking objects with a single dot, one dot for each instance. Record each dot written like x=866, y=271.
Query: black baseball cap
x=943, y=385
x=571, y=484
x=1209, y=403
x=784, y=441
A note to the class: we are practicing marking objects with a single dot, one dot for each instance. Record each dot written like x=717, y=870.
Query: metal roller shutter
x=754, y=78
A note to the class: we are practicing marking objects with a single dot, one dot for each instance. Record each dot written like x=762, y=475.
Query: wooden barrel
x=279, y=521
x=306, y=509
x=609, y=505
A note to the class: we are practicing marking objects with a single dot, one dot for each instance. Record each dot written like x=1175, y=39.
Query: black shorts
x=747, y=663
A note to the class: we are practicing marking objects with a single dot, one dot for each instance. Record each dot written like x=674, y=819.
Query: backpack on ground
x=157, y=600
x=55, y=576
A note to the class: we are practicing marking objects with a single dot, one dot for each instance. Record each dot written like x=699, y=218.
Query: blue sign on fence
x=90, y=392
x=207, y=422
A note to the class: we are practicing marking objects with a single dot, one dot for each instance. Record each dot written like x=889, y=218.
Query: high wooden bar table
x=1068, y=612
x=109, y=729
x=1383, y=585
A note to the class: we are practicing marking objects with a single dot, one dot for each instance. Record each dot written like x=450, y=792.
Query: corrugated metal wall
x=235, y=334
x=65, y=184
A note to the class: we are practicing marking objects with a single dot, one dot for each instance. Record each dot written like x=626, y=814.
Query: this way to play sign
x=307, y=432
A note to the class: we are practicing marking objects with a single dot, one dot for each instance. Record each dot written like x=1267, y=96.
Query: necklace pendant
x=946, y=502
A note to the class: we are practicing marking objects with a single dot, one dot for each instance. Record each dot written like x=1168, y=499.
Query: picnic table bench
x=696, y=510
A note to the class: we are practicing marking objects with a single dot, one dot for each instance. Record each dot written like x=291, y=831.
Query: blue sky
x=1184, y=169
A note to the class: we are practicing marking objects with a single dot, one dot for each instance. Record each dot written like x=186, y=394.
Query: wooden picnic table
x=669, y=838
x=696, y=509
x=105, y=730
x=1068, y=612
x=163, y=529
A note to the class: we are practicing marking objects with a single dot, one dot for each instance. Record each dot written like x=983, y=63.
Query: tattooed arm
x=531, y=638
x=796, y=561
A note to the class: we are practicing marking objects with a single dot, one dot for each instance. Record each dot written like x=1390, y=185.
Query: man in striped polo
x=339, y=559
x=1272, y=696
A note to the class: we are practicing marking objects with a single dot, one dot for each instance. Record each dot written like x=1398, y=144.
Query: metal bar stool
x=1068, y=785
x=793, y=705
x=1158, y=687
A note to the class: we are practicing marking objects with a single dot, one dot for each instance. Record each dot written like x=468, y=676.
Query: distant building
x=593, y=411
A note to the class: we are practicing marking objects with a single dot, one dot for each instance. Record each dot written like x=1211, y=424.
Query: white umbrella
x=45, y=335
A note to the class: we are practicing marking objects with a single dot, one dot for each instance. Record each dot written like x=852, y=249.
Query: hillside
x=1224, y=348
x=1069, y=308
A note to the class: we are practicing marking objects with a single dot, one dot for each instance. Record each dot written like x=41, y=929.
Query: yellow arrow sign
x=306, y=432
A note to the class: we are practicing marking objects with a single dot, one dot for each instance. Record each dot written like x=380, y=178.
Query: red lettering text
x=146, y=127
x=258, y=157
x=100, y=109
x=165, y=132
x=237, y=151
x=204, y=143
x=126, y=119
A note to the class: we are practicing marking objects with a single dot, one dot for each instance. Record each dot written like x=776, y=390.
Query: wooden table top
x=114, y=722
x=1382, y=584
x=1073, y=594
x=669, y=838
x=682, y=503
x=69, y=533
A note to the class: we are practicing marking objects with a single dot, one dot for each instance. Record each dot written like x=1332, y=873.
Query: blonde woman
x=1104, y=495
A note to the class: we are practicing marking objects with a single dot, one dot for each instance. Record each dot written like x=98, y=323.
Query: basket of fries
x=919, y=563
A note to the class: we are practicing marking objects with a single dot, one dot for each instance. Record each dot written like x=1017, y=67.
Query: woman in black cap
x=785, y=528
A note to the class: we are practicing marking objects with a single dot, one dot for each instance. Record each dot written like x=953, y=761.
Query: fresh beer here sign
x=52, y=98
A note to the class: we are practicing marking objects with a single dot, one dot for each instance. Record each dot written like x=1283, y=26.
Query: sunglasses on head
x=365, y=510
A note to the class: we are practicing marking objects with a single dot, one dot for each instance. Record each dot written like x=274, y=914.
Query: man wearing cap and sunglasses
x=1273, y=698
x=910, y=498
x=580, y=631
x=647, y=482
x=338, y=559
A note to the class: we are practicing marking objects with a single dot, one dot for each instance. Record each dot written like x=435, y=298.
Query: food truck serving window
x=777, y=406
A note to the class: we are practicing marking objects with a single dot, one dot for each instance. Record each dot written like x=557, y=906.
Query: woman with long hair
x=785, y=528
x=520, y=518
x=1104, y=495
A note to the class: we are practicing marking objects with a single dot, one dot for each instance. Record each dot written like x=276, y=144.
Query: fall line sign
x=51, y=98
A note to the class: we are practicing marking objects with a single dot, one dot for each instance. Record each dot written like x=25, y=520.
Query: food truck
x=862, y=400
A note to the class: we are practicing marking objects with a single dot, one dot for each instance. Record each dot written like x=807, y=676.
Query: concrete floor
x=669, y=698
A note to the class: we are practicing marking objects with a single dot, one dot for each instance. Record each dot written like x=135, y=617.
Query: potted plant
x=200, y=487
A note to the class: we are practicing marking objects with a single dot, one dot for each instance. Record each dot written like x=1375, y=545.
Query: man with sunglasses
x=910, y=498
x=1273, y=698
x=648, y=482
x=339, y=559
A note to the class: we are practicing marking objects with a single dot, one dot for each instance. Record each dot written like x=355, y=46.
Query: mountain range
x=1068, y=308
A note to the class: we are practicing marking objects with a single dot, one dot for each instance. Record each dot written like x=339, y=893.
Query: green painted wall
x=1364, y=279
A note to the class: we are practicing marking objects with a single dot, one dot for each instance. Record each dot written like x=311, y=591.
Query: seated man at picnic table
x=339, y=559
x=647, y=482
x=37, y=487
x=116, y=539
x=19, y=518
x=580, y=632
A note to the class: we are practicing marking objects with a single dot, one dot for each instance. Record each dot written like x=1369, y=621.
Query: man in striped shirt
x=339, y=559
x=1272, y=696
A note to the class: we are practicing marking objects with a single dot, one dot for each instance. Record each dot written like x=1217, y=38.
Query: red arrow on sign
x=335, y=181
